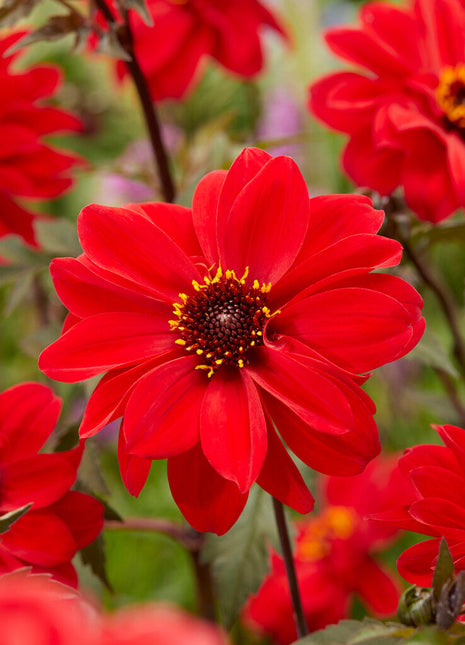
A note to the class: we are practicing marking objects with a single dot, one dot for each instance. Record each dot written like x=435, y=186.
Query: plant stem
x=440, y=291
x=148, y=108
x=299, y=616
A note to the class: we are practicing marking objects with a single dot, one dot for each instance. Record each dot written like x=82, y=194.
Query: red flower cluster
x=60, y=521
x=406, y=116
x=29, y=168
x=334, y=557
x=253, y=311
x=37, y=611
x=432, y=504
x=184, y=33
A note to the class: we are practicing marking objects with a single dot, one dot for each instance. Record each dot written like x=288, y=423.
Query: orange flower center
x=450, y=94
x=222, y=320
x=336, y=522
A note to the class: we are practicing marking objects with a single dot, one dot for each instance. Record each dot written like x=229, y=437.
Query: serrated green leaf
x=430, y=351
x=19, y=292
x=444, y=569
x=110, y=45
x=352, y=632
x=141, y=8
x=58, y=237
x=94, y=555
x=240, y=558
x=10, y=518
x=55, y=28
x=90, y=471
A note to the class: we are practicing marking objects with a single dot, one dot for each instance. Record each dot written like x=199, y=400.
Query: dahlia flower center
x=222, y=320
x=336, y=522
x=450, y=94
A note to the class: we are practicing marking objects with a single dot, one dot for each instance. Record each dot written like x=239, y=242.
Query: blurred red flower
x=29, y=167
x=334, y=557
x=60, y=521
x=39, y=611
x=184, y=34
x=434, y=504
x=406, y=116
x=255, y=309
x=151, y=623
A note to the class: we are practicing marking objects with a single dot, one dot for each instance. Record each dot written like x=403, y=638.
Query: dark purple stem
x=299, y=616
x=148, y=107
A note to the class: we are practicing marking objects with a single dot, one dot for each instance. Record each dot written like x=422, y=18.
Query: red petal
x=309, y=394
x=288, y=487
x=341, y=455
x=454, y=439
x=416, y=564
x=207, y=501
x=377, y=587
x=434, y=481
x=140, y=251
x=162, y=414
x=233, y=428
x=82, y=514
x=441, y=515
x=41, y=479
x=205, y=210
x=355, y=328
x=85, y=293
x=267, y=223
x=134, y=470
x=175, y=221
x=105, y=341
x=40, y=537
x=28, y=415
x=108, y=400
x=247, y=165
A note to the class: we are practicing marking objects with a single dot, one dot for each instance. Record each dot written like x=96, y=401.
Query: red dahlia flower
x=184, y=33
x=29, y=168
x=334, y=558
x=435, y=493
x=406, y=116
x=215, y=326
x=60, y=521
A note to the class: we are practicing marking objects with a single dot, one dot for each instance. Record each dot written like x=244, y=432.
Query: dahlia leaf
x=430, y=351
x=94, y=555
x=240, y=558
x=110, y=45
x=10, y=518
x=444, y=569
x=368, y=632
x=58, y=237
x=141, y=7
x=56, y=28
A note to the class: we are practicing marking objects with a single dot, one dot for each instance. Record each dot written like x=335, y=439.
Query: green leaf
x=240, y=558
x=19, y=292
x=55, y=28
x=430, y=351
x=11, y=11
x=90, y=470
x=58, y=237
x=141, y=8
x=351, y=632
x=10, y=518
x=452, y=231
x=110, y=45
x=444, y=570
x=94, y=555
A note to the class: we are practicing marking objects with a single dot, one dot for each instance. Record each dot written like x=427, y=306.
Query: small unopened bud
x=416, y=607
